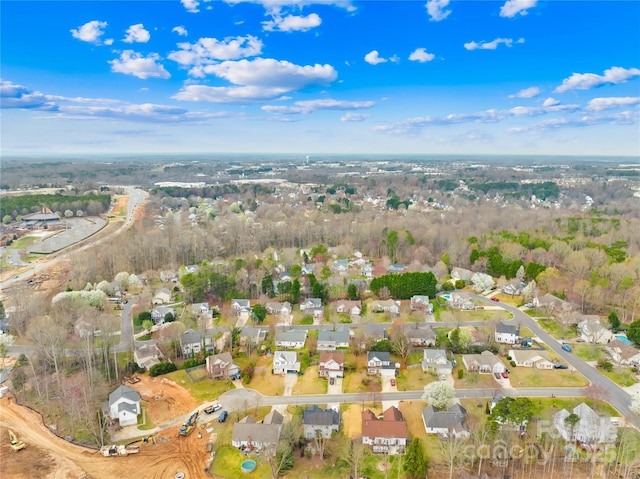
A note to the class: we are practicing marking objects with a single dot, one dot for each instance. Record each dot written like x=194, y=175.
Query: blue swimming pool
x=623, y=339
x=447, y=297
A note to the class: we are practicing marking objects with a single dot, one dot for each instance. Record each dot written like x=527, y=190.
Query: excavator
x=16, y=444
x=188, y=427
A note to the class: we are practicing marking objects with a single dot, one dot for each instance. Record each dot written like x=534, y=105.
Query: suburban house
x=240, y=306
x=344, y=306
x=436, y=360
x=221, y=366
x=248, y=434
x=591, y=429
x=331, y=365
x=253, y=337
x=292, y=339
x=622, y=353
x=506, y=333
x=387, y=434
x=420, y=303
x=160, y=312
x=461, y=300
x=124, y=405
x=146, y=355
x=513, y=287
x=421, y=337
x=331, y=340
x=322, y=422
x=530, y=358
x=366, y=270
x=340, y=265
x=593, y=332
x=277, y=307
x=449, y=423
x=312, y=306
x=385, y=306
x=201, y=310
x=396, y=268
x=190, y=342
x=460, y=274
x=285, y=362
x=379, y=364
x=162, y=296
x=551, y=303
x=485, y=362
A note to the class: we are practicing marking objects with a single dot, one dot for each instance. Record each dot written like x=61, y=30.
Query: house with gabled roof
x=162, y=296
x=593, y=332
x=240, y=306
x=124, y=405
x=420, y=303
x=531, y=358
x=330, y=340
x=622, y=353
x=285, y=362
x=331, y=365
x=396, y=268
x=506, y=333
x=345, y=306
x=379, y=364
x=146, y=355
x=190, y=342
x=277, y=307
x=340, y=265
x=320, y=422
x=221, y=366
x=202, y=310
x=436, y=360
x=591, y=429
x=485, y=363
x=385, y=306
x=249, y=434
x=460, y=274
x=421, y=337
x=160, y=312
x=446, y=423
x=387, y=434
x=291, y=339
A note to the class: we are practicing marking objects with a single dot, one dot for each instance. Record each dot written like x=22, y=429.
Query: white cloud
x=180, y=30
x=516, y=7
x=308, y=106
x=292, y=23
x=436, y=10
x=274, y=5
x=585, y=81
x=373, y=58
x=492, y=45
x=191, y=5
x=108, y=41
x=137, y=34
x=421, y=55
x=550, y=102
x=133, y=63
x=258, y=79
x=354, y=117
x=208, y=50
x=599, y=104
x=90, y=32
x=527, y=93
x=21, y=97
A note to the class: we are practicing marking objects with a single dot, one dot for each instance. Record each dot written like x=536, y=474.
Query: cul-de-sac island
x=320, y=318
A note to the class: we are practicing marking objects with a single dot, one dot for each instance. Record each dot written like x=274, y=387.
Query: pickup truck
x=213, y=408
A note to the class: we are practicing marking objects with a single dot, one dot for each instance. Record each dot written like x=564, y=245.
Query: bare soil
x=163, y=399
x=50, y=457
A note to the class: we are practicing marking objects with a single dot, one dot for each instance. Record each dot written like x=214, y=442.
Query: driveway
x=387, y=388
x=335, y=388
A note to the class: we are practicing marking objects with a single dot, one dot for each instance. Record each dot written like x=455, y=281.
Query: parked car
x=493, y=298
x=223, y=416
x=560, y=366
x=505, y=375
x=332, y=381
x=213, y=408
x=497, y=375
x=566, y=347
x=443, y=377
x=393, y=382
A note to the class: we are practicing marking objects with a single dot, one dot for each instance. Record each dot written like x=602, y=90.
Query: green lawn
x=451, y=315
x=532, y=377
x=23, y=242
x=144, y=418
x=413, y=379
x=202, y=391
x=310, y=383
x=556, y=329
x=588, y=352
x=622, y=377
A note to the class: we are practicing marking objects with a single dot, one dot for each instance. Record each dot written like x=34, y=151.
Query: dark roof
x=381, y=355
x=453, y=418
x=506, y=328
x=315, y=416
x=124, y=392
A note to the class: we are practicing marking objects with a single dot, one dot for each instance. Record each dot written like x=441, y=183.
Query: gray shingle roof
x=124, y=392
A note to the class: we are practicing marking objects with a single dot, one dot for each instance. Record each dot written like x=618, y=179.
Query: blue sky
x=276, y=76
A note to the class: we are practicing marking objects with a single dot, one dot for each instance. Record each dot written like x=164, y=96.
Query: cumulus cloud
x=137, y=34
x=492, y=45
x=90, y=32
x=13, y=95
x=373, y=58
x=586, y=81
x=550, y=102
x=272, y=5
x=436, y=10
x=208, y=50
x=527, y=93
x=134, y=63
x=599, y=104
x=308, y=106
x=421, y=55
x=292, y=23
x=191, y=5
x=354, y=117
x=180, y=30
x=257, y=80
x=516, y=7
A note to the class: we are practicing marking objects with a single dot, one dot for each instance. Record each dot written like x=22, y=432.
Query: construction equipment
x=16, y=444
x=133, y=379
x=121, y=450
x=188, y=427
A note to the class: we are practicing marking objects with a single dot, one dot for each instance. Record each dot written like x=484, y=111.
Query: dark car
x=497, y=375
x=223, y=416
x=560, y=366
x=332, y=381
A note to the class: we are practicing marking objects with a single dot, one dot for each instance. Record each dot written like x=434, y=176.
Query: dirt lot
x=163, y=399
x=50, y=457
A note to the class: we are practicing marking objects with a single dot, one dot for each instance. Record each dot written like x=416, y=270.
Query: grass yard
x=201, y=391
x=266, y=383
x=588, y=352
x=474, y=380
x=551, y=378
x=144, y=423
x=620, y=376
x=412, y=412
x=227, y=464
x=352, y=421
x=23, y=243
x=555, y=329
x=310, y=383
x=452, y=315
x=413, y=379
x=547, y=407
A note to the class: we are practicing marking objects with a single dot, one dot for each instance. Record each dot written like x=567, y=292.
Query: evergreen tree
x=415, y=461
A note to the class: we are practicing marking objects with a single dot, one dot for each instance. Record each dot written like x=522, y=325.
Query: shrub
x=460, y=373
x=513, y=364
x=162, y=368
x=193, y=362
x=307, y=319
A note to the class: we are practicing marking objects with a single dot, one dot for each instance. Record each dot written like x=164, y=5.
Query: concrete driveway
x=387, y=388
x=335, y=388
x=290, y=381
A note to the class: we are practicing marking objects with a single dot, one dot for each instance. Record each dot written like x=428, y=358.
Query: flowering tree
x=439, y=394
x=482, y=282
